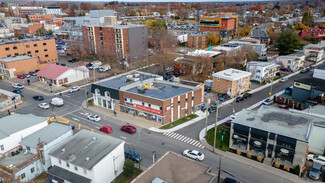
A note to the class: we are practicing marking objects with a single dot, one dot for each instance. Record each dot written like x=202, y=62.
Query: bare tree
x=76, y=48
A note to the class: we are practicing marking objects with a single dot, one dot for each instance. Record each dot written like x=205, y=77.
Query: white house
x=17, y=126
x=292, y=62
x=314, y=52
x=255, y=44
x=46, y=138
x=262, y=71
x=59, y=75
x=87, y=157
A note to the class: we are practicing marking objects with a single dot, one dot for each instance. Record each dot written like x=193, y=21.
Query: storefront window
x=99, y=99
x=141, y=114
x=159, y=119
x=104, y=103
x=257, y=146
x=239, y=141
x=109, y=104
x=152, y=117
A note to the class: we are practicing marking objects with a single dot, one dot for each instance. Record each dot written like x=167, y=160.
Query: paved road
x=151, y=141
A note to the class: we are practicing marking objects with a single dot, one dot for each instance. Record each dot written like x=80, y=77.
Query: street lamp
x=14, y=101
x=52, y=108
x=50, y=84
x=215, y=126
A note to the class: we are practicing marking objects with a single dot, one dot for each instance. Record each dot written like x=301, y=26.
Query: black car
x=89, y=65
x=65, y=65
x=167, y=76
x=177, y=74
x=132, y=155
x=74, y=60
x=32, y=73
x=247, y=95
x=230, y=180
x=223, y=97
x=38, y=97
x=238, y=99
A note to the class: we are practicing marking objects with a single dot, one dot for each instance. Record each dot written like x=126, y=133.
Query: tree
x=288, y=42
x=301, y=27
x=128, y=167
x=41, y=31
x=50, y=32
x=133, y=12
x=307, y=19
x=202, y=68
x=27, y=19
x=213, y=39
x=244, y=30
x=311, y=39
x=76, y=48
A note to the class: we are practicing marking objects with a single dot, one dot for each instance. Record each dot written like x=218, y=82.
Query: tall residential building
x=224, y=25
x=197, y=40
x=44, y=49
x=128, y=42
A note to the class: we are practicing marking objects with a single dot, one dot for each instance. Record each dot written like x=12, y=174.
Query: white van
x=57, y=101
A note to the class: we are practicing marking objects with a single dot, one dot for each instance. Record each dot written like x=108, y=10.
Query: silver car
x=315, y=171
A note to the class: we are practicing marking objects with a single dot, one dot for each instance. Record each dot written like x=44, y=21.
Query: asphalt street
x=151, y=141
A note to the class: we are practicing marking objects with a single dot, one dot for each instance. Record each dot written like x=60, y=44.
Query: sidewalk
x=127, y=118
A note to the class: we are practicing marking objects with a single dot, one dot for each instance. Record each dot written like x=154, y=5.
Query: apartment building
x=316, y=33
x=224, y=25
x=38, y=18
x=231, y=81
x=44, y=49
x=148, y=96
x=292, y=62
x=127, y=42
x=262, y=71
x=197, y=40
x=22, y=11
x=30, y=28
x=13, y=66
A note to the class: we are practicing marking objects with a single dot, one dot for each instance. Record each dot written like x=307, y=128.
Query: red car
x=284, y=106
x=285, y=69
x=21, y=77
x=129, y=129
x=106, y=129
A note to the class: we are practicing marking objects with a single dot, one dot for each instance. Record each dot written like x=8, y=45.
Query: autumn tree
x=202, y=68
x=307, y=19
x=213, y=39
x=301, y=27
x=244, y=30
x=133, y=12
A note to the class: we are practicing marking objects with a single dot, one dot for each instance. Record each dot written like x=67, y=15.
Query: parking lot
x=309, y=164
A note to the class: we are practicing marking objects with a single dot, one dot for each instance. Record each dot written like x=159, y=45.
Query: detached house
x=292, y=62
x=262, y=71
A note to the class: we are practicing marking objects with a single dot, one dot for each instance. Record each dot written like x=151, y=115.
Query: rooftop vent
x=94, y=138
x=87, y=158
x=62, y=150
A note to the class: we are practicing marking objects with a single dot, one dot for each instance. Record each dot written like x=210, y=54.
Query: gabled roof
x=52, y=71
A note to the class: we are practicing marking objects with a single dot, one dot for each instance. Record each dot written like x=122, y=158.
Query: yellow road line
x=217, y=175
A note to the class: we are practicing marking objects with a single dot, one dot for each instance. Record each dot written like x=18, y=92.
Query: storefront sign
x=257, y=143
x=284, y=151
x=147, y=109
x=302, y=86
x=238, y=138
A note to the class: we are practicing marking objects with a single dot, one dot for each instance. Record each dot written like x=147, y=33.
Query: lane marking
x=123, y=137
x=75, y=119
x=71, y=112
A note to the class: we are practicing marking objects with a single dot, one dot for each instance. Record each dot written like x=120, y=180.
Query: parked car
x=285, y=69
x=284, y=106
x=106, y=129
x=194, y=154
x=167, y=76
x=27, y=75
x=57, y=101
x=65, y=65
x=223, y=97
x=132, y=155
x=38, y=97
x=21, y=76
x=228, y=123
x=94, y=117
x=316, y=158
x=247, y=95
x=17, y=85
x=129, y=129
x=207, y=90
x=230, y=180
x=232, y=117
x=282, y=80
x=32, y=73
x=177, y=74
x=74, y=60
x=267, y=101
x=74, y=89
x=212, y=109
x=305, y=70
x=44, y=105
x=18, y=91
x=238, y=99
x=315, y=171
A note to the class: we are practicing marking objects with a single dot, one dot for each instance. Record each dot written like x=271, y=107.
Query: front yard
x=179, y=121
x=221, y=131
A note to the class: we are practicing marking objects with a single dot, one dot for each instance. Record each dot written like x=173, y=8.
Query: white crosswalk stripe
x=185, y=139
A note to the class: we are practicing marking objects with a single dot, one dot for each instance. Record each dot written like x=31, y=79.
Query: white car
x=94, y=117
x=44, y=105
x=194, y=154
x=282, y=80
x=57, y=101
x=316, y=158
x=18, y=85
x=232, y=117
x=267, y=102
x=73, y=89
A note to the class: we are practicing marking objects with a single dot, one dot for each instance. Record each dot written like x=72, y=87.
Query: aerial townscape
x=157, y=91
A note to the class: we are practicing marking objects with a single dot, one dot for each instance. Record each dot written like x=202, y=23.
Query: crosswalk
x=184, y=139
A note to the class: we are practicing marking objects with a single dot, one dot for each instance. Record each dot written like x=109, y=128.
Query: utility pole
x=219, y=171
x=86, y=93
x=215, y=127
x=139, y=146
x=206, y=118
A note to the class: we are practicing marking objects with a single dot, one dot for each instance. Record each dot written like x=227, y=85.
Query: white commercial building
x=59, y=75
x=53, y=10
x=87, y=157
x=262, y=71
x=292, y=62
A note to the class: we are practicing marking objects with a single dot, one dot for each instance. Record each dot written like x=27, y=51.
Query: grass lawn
x=122, y=178
x=179, y=121
x=220, y=130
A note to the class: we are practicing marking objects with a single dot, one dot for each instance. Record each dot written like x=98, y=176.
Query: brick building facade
x=128, y=42
x=199, y=40
x=13, y=66
x=224, y=26
x=152, y=98
x=45, y=50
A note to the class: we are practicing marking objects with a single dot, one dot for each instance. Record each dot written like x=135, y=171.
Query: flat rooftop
x=261, y=63
x=174, y=168
x=232, y=74
x=16, y=160
x=125, y=79
x=288, y=123
x=319, y=84
x=160, y=89
x=23, y=40
x=17, y=58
